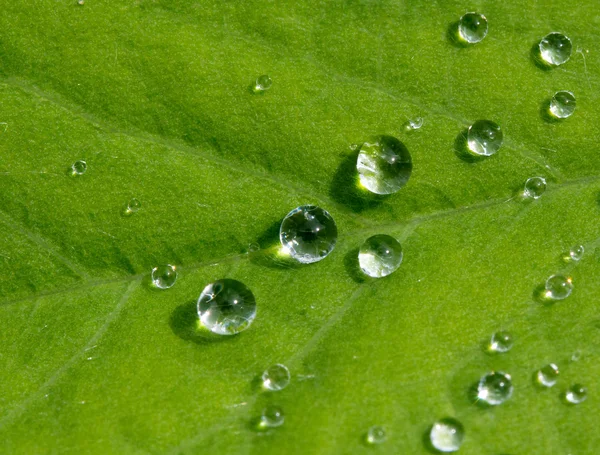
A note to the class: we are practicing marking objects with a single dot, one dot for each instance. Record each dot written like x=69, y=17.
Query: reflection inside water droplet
x=534, y=187
x=133, y=206
x=555, y=49
x=413, y=124
x=558, y=287
x=164, y=276
x=272, y=417
x=78, y=167
x=262, y=83
x=547, y=375
x=376, y=435
x=472, y=27
x=501, y=342
x=562, y=105
x=447, y=435
x=484, y=138
x=384, y=165
x=276, y=377
x=576, y=394
x=576, y=252
x=494, y=388
x=380, y=255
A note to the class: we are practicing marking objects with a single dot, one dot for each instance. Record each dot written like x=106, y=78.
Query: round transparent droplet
x=447, y=435
x=384, y=165
x=413, y=124
x=576, y=356
x=562, y=104
x=272, y=417
x=501, y=342
x=253, y=247
x=80, y=2
x=133, y=206
x=576, y=394
x=164, y=276
x=547, y=375
x=558, y=287
x=484, y=138
x=78, y=167
x=226, y=307
x=472, y=27
x=555, y=49
x=376, y=435
x=494, y=388
x=276, y=377
x=576, y=252
x=308, y=233
x=380, y=255
x=534, y=187
x=262, y=83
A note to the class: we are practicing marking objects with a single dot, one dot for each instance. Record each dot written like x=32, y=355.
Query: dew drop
x=501, y=342
x=78, y=167
x=547, y=375
x=384, y=165
x=447, y=435
x=80, y=2
x=164, y=276
x=558, y=287
x=262, y=83
x=576, y=252
x=534, y=187
x=576, y=394
x=253, y=247
x=226, y=307
x=472, y=27
x=555, y=49
x=563, y=104
x=380, y=255
x=276, y=377
x=484, y=138
x=376, y=435
x=308, y=233
x=494, y=388
x=133, y=206
x=413, y=124
x=272, y=416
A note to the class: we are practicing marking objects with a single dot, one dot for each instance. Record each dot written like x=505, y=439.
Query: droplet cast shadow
x=185, y=323
x=454, y=37
x=536, y=58
x=271, y=253
x=461, y=148
x=427, y=441
x=352, y=266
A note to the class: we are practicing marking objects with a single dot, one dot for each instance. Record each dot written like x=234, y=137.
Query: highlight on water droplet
x=272, y=417
x=562, y=104
x=308, y=234
x=558, y=287
x=472, y=28
x=133, y=206
x=384, y=165
x=380, y=255
x=494, y=388
x=413, y=124
x=484, y=138
x=574, y=254
x=547, y=376
x=376, y=435
x=262, y=83
x=276, y=377
x=226, y=307
x=447, y=435
x=534, y=187
x=501, y=342
x=78, y=168
x=555, y=49
x=164, y=276
x=576, y=394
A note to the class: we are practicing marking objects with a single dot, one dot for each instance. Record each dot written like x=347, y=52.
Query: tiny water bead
x=384, y=165
x=164, y=276
x=133, y=206
x=308, y=233
x=562, y=104
x=376, y=435
x=413, y=124
x=276, y=377
x=494, y=388
x=78, y=167
x=555, y=49
x=534, y=187
x=447, y=435
x=472, y=27
x=484, y=138
x=576, y=394
x=226, y=307
x=501, y=342
x=380, y=255
x=262, y=83
x=547, y=375
x=576, y=253
x=272, y=417
x=558, y=287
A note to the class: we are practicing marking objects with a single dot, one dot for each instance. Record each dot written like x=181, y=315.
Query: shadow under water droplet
x=461, y=149
x=545, y=114
x=184, y=323
x=270, y=252
x=454, y=36
x=536, y=58
x=427, y=441
x=352, y=266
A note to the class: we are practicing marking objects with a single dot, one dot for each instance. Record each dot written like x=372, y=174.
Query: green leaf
x=154, y=96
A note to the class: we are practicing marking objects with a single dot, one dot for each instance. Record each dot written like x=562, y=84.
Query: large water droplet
x=562, y=104
x=78, y=167
x=558, y=287
x=576, y=253
x=447, y=435
x=133, y=206
x=276, y=377
x=384, y=165
x=472, y=27
x=484, y=138
x=376, y=435
x=555, y=48
x=272, y=417
x=494, y=388
x=226, y=307
x=380, y=255
x=262, y=83
x=501, y=342
x=308, y=233
x=534, y=187
x=547, y=375
x=164, y=276
x=576, y=394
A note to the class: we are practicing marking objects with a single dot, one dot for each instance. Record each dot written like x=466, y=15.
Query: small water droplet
x=576, y=394
x=501, y=342
x=262, y=83
x=555, y=49
x=376, y=435
x=380, y=255
x=472, y=27
x=576, y=356
x=447, y=435
x=354, y=147
x=534, y=187
x=494, y=388
x=558, y=287
x=576, y=252
x=80, y=2
x=547, y=375
x=562, y=104
x=384, y=165
x=272, y=417
x=78, y=167
x=413, y=124
x=253, y=247
x=276, y=377
x=226, y=307
x=164, y=276
x=308, y=233
x=484, y=138
x=133, y=206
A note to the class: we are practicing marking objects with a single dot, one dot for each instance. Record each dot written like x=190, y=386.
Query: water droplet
x=576, y=252
x=80, y=2
x=226, y=307
x=354, y=147
x=563, y=104
x=484, y=138
x=384, y=165
x=501, y=342
x=494, y=388
x=413, y=124
x=576, y=356
x=253, y=247
x=576, y=394
x=376, y=435
x=472, y=27
x=276, y=377
x=164, y=276
x=272, y=417
x=133, y=206
x=380, y=255
x=308, y=233
x=534, y=187
x=262, y=83
x=555, y=48
x=558, y=287
x=447, y=435
x=78, y=167
x=547, y=375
